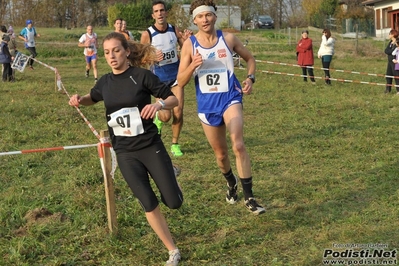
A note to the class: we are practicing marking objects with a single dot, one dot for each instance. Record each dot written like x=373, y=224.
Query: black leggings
x=155, y=161
x=392, y=72
x=305, y=71
x=32, y=51
x=7, y=72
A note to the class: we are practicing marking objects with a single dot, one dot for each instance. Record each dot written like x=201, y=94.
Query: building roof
x=371, y=2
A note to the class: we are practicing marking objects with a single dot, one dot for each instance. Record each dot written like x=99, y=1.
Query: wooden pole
x=106, y=164
x=357, y=38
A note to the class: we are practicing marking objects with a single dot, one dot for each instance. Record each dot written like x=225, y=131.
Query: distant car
x=264, y=22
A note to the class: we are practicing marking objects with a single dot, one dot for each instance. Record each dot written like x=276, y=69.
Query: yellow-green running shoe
x=158, y=123
x=175, y=149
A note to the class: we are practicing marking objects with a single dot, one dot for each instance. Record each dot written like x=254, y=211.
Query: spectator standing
x=118, y=28
x=3, y=30
x=326, y=52
x=396, y=60
x=126, y=93
x=391, y=73
x=165, y=38
x=208, y=56
x=28, y=35
x=6, y=58
x=124, y=29
x=12, y=47
x=89, y=42
x=304, y=50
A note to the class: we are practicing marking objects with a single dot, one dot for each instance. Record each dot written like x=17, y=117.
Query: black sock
x=247, y=187
x=231, y=179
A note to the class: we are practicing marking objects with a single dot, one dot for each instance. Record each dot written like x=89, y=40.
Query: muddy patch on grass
x=39, y=216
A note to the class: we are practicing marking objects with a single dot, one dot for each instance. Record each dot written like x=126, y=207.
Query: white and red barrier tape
x=103, y=141
x=48, y=149
x=331, y=69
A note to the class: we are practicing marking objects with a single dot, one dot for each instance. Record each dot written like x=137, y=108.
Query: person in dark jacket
x=391, y=72
x=12, y=47
x=304, y=51
x=5, y=58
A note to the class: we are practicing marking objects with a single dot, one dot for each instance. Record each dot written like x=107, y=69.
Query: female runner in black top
x=126, y=93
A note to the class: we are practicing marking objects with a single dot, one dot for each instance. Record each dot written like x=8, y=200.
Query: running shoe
x=174, y=258
x=158, y=123
x=87, y=74
x=254, y=207
x=231, y=195
x=175, y=149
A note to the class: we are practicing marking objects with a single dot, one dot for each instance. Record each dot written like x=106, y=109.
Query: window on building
x=394, y=14
x=385, y=17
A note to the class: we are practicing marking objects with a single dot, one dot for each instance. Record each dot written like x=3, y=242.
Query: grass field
x=325, y=165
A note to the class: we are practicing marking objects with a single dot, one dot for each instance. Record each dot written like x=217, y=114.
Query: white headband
x=202, y=9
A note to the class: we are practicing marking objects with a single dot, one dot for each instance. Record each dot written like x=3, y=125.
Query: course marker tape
x=331, y=69
x=103, y=142
x=60, y=86
x=48, y=149
x=323, y=78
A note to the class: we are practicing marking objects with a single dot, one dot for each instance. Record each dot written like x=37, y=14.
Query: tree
x=328, y=7
x=294, y=13
x=356, y=10
x=136, y=15
x=311, y=7
x=4, y=5
x=177, y=16
x=358, y=13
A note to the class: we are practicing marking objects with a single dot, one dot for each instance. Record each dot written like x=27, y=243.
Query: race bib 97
x=126, y=122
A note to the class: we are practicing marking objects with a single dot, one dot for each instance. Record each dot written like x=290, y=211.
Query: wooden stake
x=106, y=164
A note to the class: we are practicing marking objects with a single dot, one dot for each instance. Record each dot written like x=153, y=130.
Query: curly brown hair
x=141, y=55
x=197, y=3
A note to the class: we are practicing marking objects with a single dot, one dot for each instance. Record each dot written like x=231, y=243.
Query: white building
x=386, y=14
x=223, y=13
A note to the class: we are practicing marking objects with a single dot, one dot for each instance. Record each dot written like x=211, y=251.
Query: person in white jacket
x=326, y=51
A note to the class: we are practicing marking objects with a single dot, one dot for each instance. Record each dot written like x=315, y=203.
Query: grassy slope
x=324, y=164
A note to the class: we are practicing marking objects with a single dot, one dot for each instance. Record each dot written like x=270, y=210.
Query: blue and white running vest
x=29, y=34
x=215, y=82
x=166, y=41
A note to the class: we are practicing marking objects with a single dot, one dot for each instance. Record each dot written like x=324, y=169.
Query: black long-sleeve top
x=391, y=46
